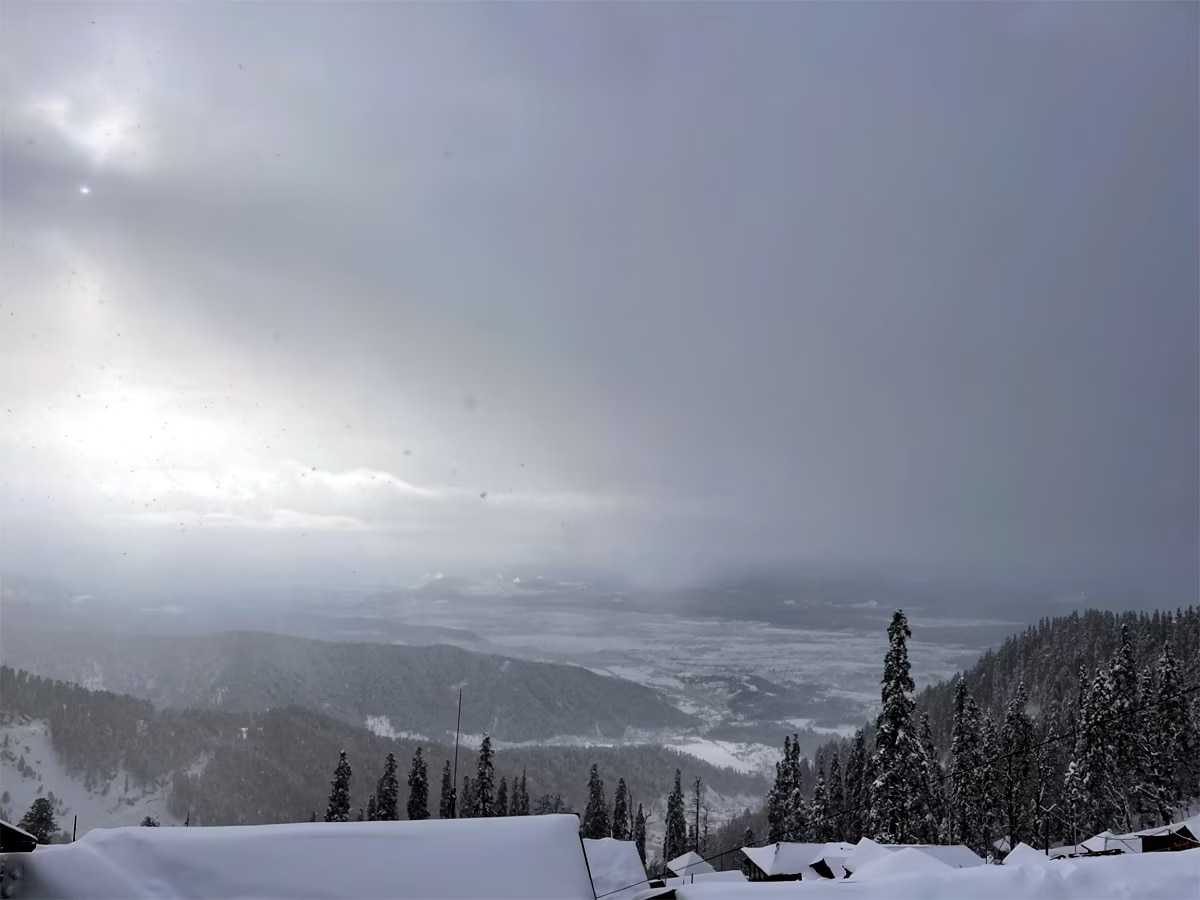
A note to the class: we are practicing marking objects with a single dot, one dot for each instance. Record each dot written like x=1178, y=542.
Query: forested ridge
x=275, y=765
x=413, y=686
x=1078, y=724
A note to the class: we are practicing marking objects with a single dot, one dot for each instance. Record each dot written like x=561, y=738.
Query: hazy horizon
x=340, y=294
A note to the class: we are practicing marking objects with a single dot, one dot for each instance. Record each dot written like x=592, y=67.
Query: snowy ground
x=120, y=802
x=1135, y=876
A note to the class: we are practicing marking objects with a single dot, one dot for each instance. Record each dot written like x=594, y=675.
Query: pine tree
x=858, y=787
x=338, y=809
x=675, y=834
x=639, y=833
x=1128, y=751
x=446, y=800
x=418, y=787
x=897, y=753
x=502, y=797
x=1017, y=770
x=822, y=819
x=780, y=794
x=520, y=801
x=990, y=784
x=39, y=821
x=387, y=791
x=1154, y=795
x=620, y=816
x=1176, y=729
x=372, y=813
x=484, y=785
x=694, y=829
x=595, y=815
x=466, y=804
x=966, y=760
x=149, y=822
x=1094, y=790
x=837, y=797
x=932, y=805
x=360, y=814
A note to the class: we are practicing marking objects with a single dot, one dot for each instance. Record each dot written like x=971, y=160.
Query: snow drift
x=525, y=858
x=1148, y=876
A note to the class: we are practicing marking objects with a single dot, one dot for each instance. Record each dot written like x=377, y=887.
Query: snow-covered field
x=120, y=802
x=1134, y=876
x=539, y=856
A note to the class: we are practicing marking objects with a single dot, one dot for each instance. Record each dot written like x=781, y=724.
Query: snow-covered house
x=1176, y=836
x=616, y=868
x=690, y=863
x=15, y=840
x=518, y=858
x=795, y=861
x=956, y=856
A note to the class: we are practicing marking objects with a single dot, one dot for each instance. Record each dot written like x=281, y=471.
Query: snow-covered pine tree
x=1094, y=793
x=446, y=800
x=1154, y=800
x=595, y=816
x=639, y=833
x=675, y=834
x=387, y=791
x=990, y=789
x=1128, y=746
x=484, y=785
x=822, y=827
x=694, y=818
x=780, y=794
x=837, y=797
x=338, y=809
x=1177, y=728
x=856, y=790
x=799, y=827
x=372, y=815
x=966, y=757
x=1017, y=771
x=897, y=753
x=502, y=797
x=932, y=806
x=620, y=816
x=418, y=787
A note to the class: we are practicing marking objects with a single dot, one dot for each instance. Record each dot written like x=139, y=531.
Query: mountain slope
x=416, y=688
x=275, y=766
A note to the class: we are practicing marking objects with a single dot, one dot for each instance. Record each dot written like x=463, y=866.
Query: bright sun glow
x=84, y=189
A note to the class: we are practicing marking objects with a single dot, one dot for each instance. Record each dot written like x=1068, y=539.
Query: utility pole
x=74, y=828
x=1046, y=811
x=457, y=732
x=697, y=812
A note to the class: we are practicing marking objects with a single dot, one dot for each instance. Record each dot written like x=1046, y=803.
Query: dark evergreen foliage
x=387, y=792
x=418, y=787
x=39, y=821
x=338, y=809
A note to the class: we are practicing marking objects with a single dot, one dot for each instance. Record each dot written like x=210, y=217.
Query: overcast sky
x=351, y=292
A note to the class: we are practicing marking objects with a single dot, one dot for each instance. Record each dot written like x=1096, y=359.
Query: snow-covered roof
x=1131, y=842
x=453, y=859
x=954, y=855
x=1024, y=855
x=1156, y=875
x=690, y=863
x=14, y=839
x=616, y=868
x=786, y=858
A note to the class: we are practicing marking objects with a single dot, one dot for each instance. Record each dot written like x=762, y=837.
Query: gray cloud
x=679, y=287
